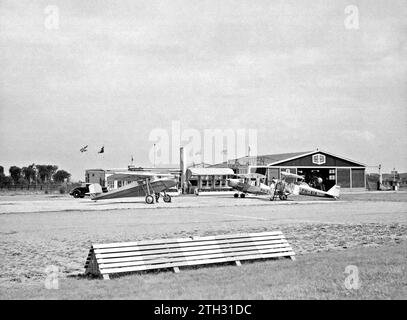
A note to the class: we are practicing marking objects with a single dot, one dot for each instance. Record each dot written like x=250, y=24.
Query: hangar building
x=332, y=168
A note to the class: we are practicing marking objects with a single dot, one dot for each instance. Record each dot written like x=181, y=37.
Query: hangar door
x=326, y=174
x=272, y=173
x=358, y=178
x=343, y=177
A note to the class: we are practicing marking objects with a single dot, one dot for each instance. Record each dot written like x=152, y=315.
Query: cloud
x=288, y=68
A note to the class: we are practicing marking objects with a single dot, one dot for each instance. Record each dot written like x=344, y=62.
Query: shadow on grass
x=157, y=271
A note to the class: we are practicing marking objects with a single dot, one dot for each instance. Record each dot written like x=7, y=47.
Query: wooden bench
x=106, y=259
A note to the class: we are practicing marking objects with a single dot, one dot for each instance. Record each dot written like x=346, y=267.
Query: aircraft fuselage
x=309, y=191
x=262, y=189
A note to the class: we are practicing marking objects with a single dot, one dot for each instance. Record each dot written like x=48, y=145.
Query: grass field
x=381, y=272
x=367, y=230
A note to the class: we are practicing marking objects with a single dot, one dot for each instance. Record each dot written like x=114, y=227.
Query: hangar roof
x=261, y=159
x=272, y=158
x=279, y=158
x=302, y=155
x=210, y=171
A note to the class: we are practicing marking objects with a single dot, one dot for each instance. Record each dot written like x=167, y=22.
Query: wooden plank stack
x=110, y=258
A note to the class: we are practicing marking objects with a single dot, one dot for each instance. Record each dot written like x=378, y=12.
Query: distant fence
x=50, y=187
x=372, y=183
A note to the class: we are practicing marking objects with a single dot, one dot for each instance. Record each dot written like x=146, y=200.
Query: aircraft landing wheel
x=236, y=195
x=242, y=195
x=167, y=198
x=283, y=197
x=149, y=199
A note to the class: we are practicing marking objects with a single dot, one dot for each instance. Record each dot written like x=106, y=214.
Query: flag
x=102, y=150
x=84, y=149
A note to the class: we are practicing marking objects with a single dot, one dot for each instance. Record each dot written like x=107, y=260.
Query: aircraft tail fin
x=334, y=191
x=95, y=189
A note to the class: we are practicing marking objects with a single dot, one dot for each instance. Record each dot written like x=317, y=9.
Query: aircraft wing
x=291, y=175
x=134, y=190
x=136, y=175
x=251, y=175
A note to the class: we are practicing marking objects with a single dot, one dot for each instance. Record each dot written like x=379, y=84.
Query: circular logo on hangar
x=318, y=159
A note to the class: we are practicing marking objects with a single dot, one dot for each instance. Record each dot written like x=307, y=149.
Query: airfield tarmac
x=41, y=230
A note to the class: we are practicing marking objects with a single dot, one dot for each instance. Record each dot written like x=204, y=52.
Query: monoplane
x=145, y=184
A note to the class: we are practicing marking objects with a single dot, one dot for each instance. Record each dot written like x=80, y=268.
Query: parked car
x=82, y=191
x=174, y=192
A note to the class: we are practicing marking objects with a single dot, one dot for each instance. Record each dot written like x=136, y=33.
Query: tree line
x=33, y=174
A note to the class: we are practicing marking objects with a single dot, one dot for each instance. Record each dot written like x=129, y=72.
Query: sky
x=112, y=73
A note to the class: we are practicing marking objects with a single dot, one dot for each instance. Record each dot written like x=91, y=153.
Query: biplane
x=145, y=184
x=290, y=184
x=251, y=183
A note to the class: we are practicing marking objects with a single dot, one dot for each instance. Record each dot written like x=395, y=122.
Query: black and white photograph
x=203, y=150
